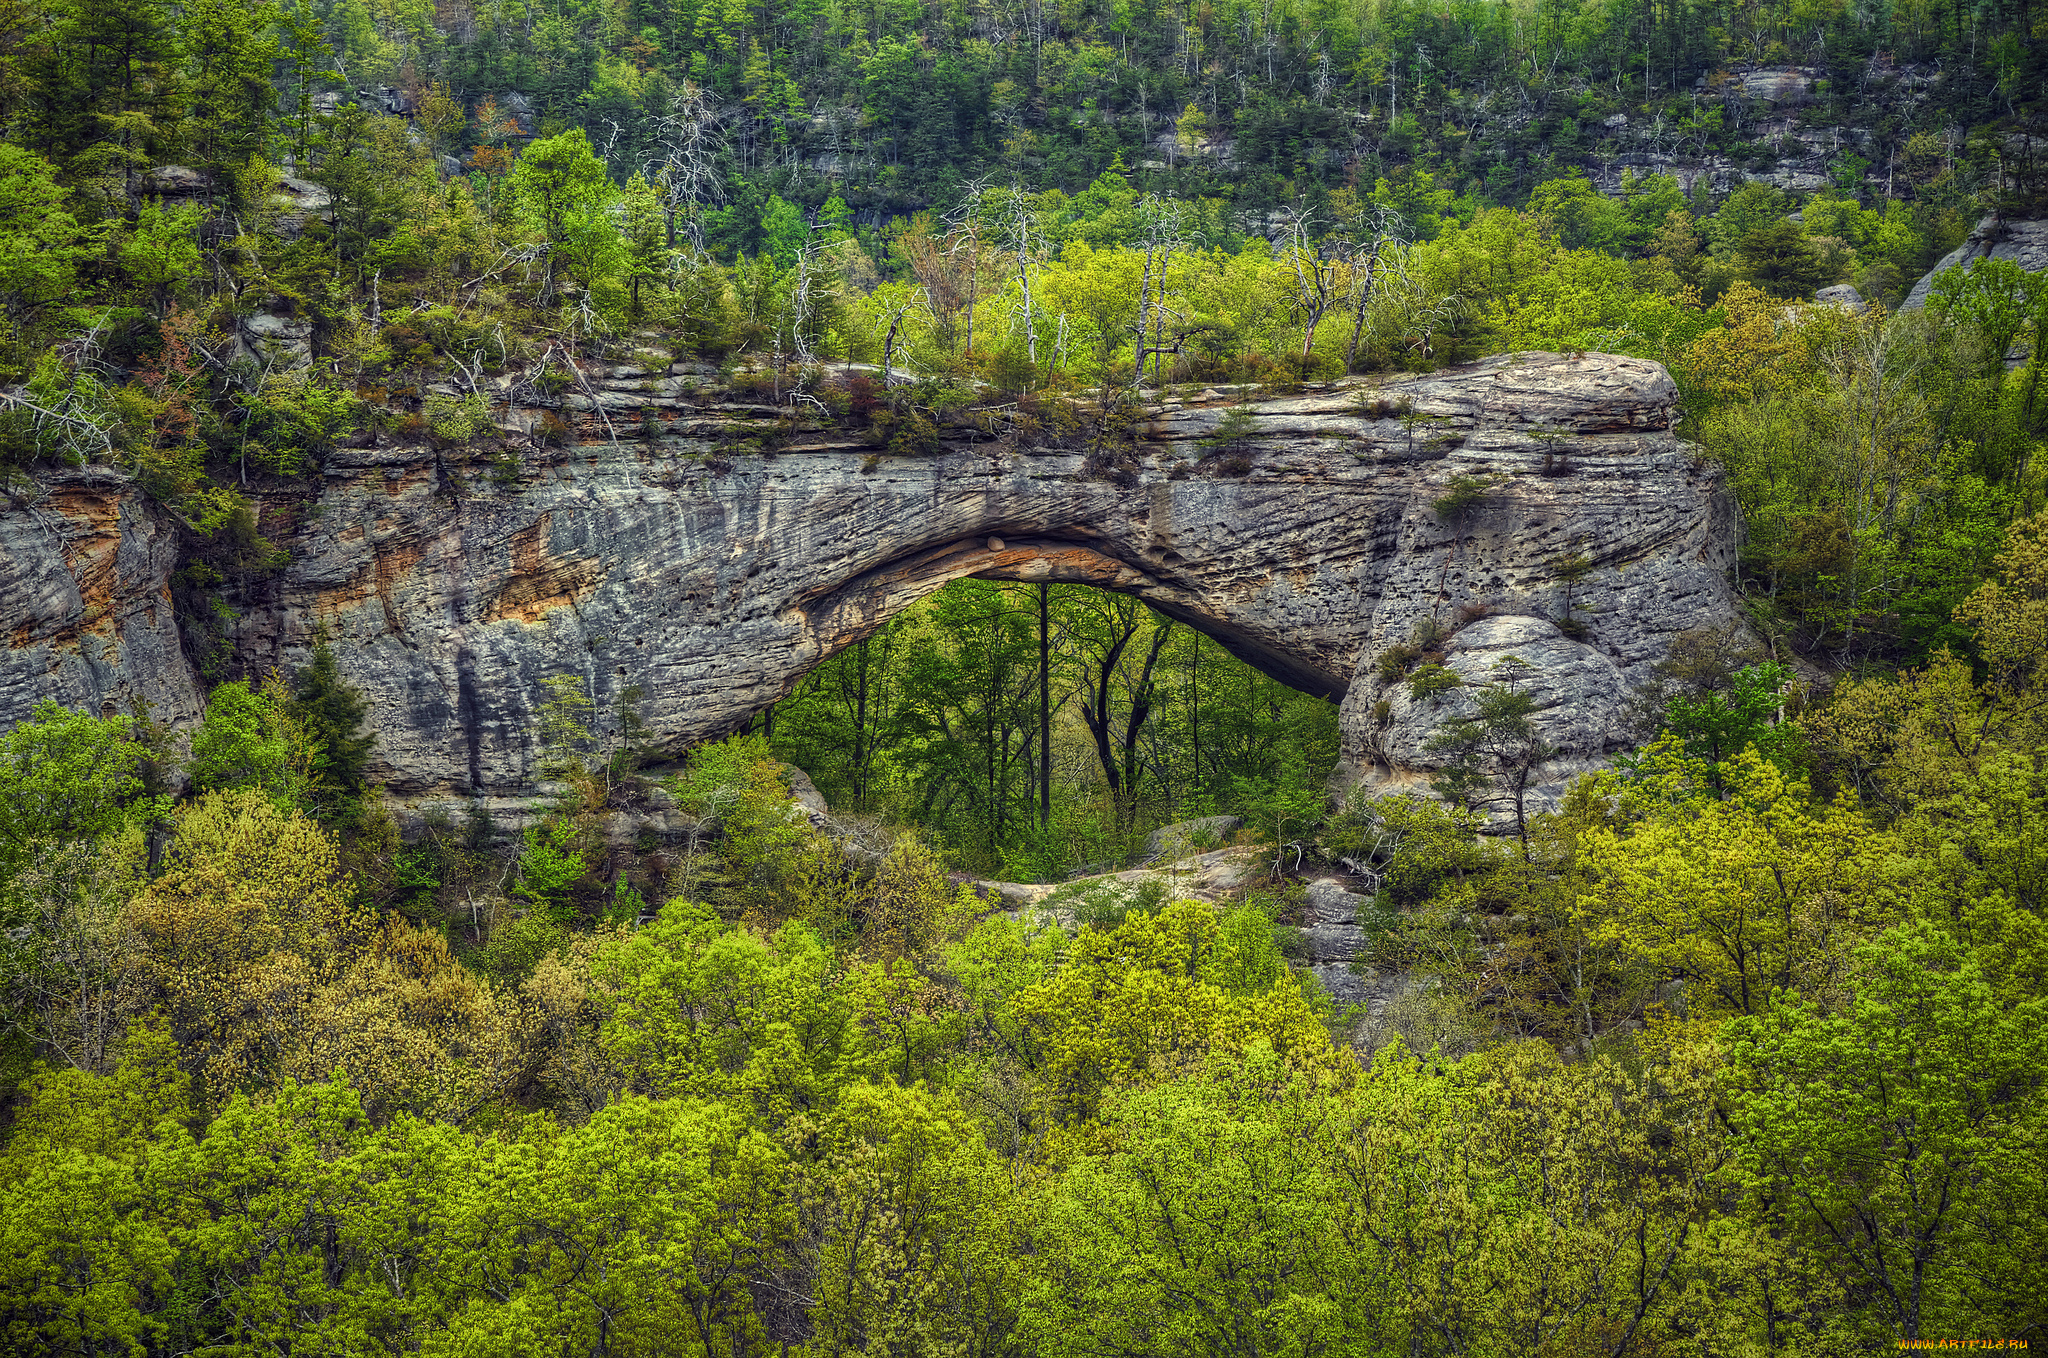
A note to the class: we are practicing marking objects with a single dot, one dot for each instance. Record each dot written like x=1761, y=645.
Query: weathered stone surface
x=1179, y=839
x=1580, y=695
x=1778, y=84
x=1333, y=942
x=85, y=604
x=1330, y=903
x=1210, y=877
x=176, y=181
x=707, y=574
x=280, y=340
x=1842, y=295
x=2023, y=242
x=294, y=203
x=1345, y=985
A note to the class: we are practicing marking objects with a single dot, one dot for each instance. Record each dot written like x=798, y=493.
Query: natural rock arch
x=711, y=579
x=841, y=616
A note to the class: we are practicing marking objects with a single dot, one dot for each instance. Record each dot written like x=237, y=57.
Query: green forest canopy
x=1737, y=1054
x=1248, y=195
x=1717, y=1062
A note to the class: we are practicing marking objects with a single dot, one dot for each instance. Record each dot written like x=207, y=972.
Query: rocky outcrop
x=1186, y=837
x=701, y=566
x=85, y=604
x=1581, y=696
x=2023, y=242
x=1212, y=878
x=1844, y=296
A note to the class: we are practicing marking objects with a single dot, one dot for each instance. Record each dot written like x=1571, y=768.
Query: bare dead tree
x=66, y=418
x=1018, y=231
x=806, y=289
x=1314, y=277
x=1371, y=233
x=936, y=263
x=688, y=139
x=1164, y=230
x=916, y=296
x=963, y=235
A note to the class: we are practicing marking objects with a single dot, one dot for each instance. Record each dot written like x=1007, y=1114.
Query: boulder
x=808, y=799
x=1842, y=295
x=1330, y=903
x=282, y=340
x=1185, y=837
x=1778, y=85
x=1581, y=696
x=1334, y=943
x=176, y=181
x=296, y=202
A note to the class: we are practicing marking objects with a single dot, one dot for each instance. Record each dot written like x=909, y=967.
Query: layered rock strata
x=665, y=542
x=85, y=603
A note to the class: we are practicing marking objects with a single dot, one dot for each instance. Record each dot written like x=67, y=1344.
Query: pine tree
x=332, y=711
x=229, y=50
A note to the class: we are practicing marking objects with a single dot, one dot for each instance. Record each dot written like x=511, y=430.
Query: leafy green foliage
x=1717, y=726
x=332, y=713
x=250, y=739
x=936, y=719
x=65, y=776
x=813, y=1103
x=1900, y=1134
x=1462, y=494
x=550, y=864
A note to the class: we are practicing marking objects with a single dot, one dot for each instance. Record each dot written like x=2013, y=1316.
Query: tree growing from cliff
x=1497, y=745
x=332, y=711
x=567, y=193
x=1571, y=569
x=1232, y=436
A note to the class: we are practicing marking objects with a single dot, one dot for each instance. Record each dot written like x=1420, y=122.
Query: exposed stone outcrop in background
x=708, y=574
x=2023, y=242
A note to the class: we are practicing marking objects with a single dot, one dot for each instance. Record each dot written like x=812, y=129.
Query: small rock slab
x=1340, y=943
x=1177, y=840
x=1330, y=903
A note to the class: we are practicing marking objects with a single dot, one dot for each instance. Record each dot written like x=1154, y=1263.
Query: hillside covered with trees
x=1737, y=1053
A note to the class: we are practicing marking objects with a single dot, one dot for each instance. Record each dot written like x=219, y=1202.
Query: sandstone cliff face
x=85, y=604
x=710, y=575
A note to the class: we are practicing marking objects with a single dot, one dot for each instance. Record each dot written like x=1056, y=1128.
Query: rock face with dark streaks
x=691, y=565
x=85, y=604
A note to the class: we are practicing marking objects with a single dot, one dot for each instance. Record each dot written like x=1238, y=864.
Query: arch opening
x=841, y=615
x=1042, y=707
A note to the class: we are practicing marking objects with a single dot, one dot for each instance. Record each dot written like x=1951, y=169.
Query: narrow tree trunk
x=1141, y=710
x=860, y=726
x=1044, y=711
